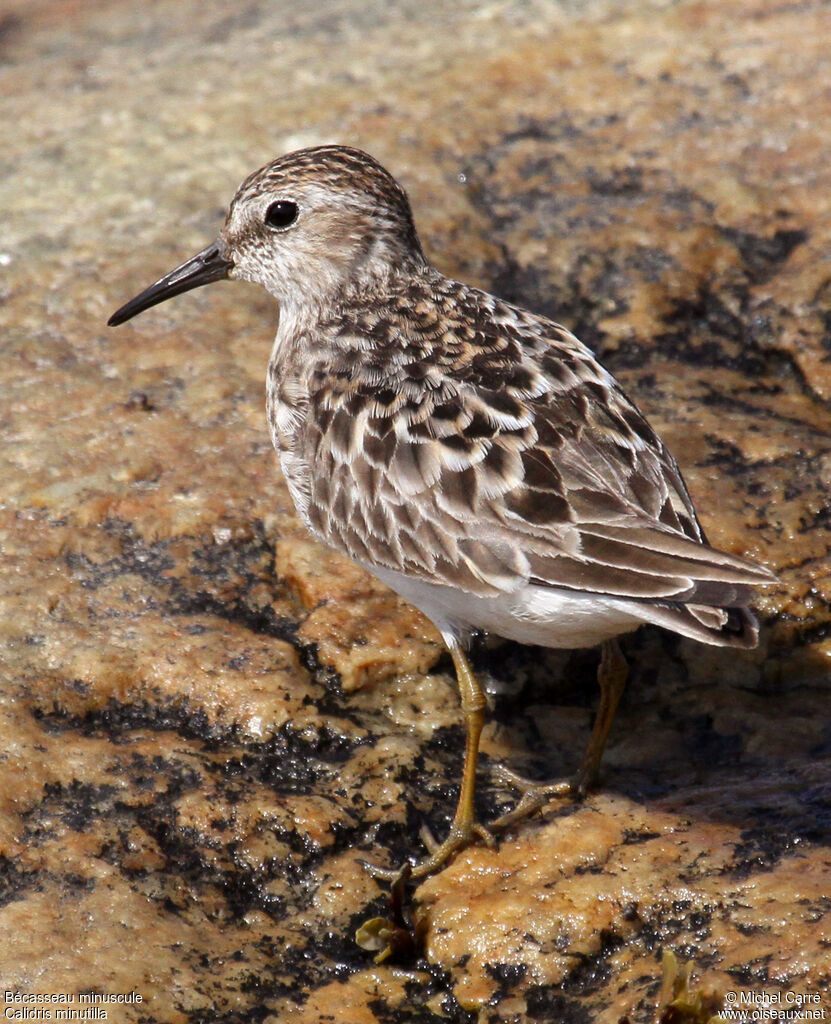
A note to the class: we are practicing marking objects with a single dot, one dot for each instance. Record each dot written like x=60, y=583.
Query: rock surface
x=206, y=721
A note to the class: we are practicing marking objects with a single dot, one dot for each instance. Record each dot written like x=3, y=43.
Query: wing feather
x=524, y=460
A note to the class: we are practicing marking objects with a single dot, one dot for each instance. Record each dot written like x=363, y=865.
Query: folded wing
x=511, y=458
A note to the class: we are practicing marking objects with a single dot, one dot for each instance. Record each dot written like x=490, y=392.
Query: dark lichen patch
x=200, y=866
x=16, y=883
x=432, y=982
x=390, y=841
x=290, y=760
x=76, y=806
x=762, y=848
x=632, y=838
x=507, y=976
x=762, y=256
x=117, y=720
x=216, y=854
x=196, y=575
x=679, y=922
x=247, y=891
x=624, y=181
x=705, y=330
x=253, y=1014
x=292, y=974
x=144, y=814
x=149, y=560
x=546, y=1003
x=754, y=973
x=262, y=621
x=337, y=947
x=386, y=1014
x=688, y=923
x=591, y=972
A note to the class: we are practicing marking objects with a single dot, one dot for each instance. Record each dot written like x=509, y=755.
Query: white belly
x=548, y=616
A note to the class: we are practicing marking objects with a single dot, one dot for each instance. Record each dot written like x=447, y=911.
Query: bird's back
x=448, y=437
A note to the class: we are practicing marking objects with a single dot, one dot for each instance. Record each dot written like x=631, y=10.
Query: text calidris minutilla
x=472, y=455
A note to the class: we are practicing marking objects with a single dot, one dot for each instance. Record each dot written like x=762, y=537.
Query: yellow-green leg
x=464, y=827
x=611, y=675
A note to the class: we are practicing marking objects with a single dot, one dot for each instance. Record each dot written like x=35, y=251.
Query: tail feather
x=721, y=627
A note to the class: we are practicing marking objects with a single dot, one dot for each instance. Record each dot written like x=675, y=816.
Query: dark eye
x=281, y=214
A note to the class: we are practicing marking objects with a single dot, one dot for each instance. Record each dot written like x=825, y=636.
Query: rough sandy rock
x=206, y=722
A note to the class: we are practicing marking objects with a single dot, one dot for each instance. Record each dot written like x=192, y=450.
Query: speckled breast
x=287, y=406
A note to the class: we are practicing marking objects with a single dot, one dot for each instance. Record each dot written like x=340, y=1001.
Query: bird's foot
x=535, y=795
x=611, y=675
x=461, y=835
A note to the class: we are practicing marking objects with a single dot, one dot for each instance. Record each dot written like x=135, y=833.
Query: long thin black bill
x=206, y=266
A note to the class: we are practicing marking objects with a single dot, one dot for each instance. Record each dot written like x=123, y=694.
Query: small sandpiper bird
x=474, y=456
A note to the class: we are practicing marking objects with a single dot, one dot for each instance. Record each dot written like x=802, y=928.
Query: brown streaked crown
x=343, y=170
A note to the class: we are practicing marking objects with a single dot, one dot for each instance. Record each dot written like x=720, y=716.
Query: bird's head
x=311, y=227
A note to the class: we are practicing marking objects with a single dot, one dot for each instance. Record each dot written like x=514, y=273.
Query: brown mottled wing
x=481, y=447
